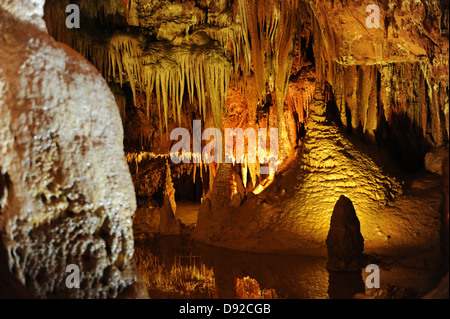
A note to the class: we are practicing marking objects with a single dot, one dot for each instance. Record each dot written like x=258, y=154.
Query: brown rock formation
x=435, y=158
x=10, y=285
x=168, y=224
x=66, y=192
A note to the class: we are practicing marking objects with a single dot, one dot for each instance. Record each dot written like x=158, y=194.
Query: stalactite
x=234, y=36
x=351, y=98
x=244, y=171
x=211, y=178
x=271, y=26
x=283, y=50
x=391, y=91
x=121, y=101
x=256, y=36
x=415, y=89
x=194, y=173
x=366, y=99
x=300, y=93
x=254, y=171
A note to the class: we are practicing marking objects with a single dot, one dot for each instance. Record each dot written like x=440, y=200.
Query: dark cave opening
x=186, y=189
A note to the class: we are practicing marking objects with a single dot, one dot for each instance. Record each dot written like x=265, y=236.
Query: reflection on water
x=184, y=278
x=177, y=267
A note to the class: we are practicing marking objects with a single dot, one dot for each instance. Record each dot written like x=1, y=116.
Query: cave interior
x=116, y=153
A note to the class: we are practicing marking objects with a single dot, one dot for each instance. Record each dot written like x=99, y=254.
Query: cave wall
x=66, y=195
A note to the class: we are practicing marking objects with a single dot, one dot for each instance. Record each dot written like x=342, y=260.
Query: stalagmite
x=345, y=243
x=168, y=224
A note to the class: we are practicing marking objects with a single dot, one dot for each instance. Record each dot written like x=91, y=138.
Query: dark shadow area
x=188, y=190
x=404, y=140
x=10, y=286
x=344, y=285
x=332, y=113
x=348, y=116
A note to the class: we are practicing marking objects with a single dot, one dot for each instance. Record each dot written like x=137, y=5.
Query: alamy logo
x=73, y=280
x=73, y=19
x=213, y=151
x=373, y=280
x=373, y=20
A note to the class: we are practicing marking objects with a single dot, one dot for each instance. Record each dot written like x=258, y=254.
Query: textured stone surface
x=406, y=30
x=435, y=158
x=168, y=224
x=345, y=243
x=397, y=73
x=293, y=213
x=66, y=196
x=10, y=286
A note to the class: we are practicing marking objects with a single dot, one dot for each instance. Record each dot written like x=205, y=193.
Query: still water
x=178, y=267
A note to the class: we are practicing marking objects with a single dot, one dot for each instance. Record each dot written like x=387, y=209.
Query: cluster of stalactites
x=376, y=92
x=271, y=26
x=167, y=70
x=159, y=68
x=380, y=92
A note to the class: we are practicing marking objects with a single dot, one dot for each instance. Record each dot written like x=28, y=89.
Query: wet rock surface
x=67, y=196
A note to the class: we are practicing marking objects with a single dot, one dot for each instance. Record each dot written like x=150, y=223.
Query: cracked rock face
x=66, y=195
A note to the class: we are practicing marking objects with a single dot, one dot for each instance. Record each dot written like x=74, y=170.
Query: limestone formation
x=352, y=103
x=434, y=159
x=10, y=286
x=168, y=224
x=345, y=244
x=399, y=68
x=66, y=191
